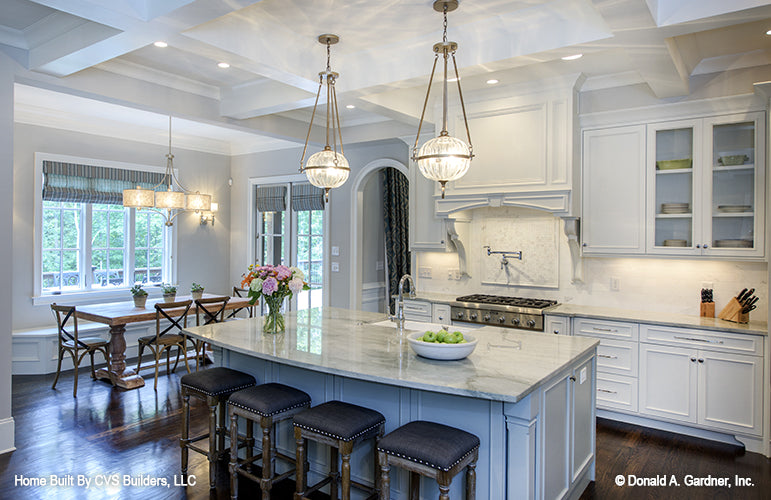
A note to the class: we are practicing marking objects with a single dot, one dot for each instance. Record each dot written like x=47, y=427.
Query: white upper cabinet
x=706, y=186
x=613, y=191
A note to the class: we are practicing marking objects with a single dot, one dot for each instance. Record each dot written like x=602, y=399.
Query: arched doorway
x=367, y=285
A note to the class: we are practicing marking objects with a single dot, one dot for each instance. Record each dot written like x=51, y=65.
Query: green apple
x=428, y=337
x=457, y=337
x=441, y=335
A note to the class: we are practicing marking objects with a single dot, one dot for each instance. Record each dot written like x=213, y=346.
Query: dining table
x=117, y=315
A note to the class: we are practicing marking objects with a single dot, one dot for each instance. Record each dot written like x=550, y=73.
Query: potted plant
x=169, y=292
x=140, y=296
x=196, y=291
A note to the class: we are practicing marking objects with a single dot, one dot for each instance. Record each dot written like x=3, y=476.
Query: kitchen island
x=529, y=397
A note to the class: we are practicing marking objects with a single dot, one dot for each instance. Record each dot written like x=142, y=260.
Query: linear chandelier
x=169, y=203
x=327, y=169
x=444, y=158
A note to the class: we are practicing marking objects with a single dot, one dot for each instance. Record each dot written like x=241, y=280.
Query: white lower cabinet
x=616, y=392
x=417, y=310
x=440, y=313
x=713, y=389
x=570, y=397
x=557, y=325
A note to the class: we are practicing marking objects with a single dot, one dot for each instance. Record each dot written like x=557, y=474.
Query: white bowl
x=445, y=352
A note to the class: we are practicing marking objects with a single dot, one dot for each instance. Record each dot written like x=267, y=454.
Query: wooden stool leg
x=300, y=479
x=414, y=486
x=346, y=475
x=185, y=431
x=267, y=461
x=249, y=442
x=333, y=472
x=471, y=481
x=233, y=456
x=212, y=456
x=221, y=430
x=385, y=477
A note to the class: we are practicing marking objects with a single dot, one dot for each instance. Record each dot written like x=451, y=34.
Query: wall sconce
x=207, y=217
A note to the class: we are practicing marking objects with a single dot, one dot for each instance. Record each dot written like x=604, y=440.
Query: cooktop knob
x=473, y=315
x=487, y=317
x=515, y=321
x=460, y=314
x=531, y=323
x=502, y=319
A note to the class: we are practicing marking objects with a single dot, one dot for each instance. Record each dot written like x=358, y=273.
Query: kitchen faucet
x=399, y=317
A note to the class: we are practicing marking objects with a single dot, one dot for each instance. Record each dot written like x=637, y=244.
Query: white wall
x=373, y=239
x=287, y=162
x=647, y=284
x=7, y=262
x=203, y=251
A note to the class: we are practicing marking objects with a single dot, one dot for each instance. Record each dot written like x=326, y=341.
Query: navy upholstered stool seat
x=341, y=426
x=432, y=450
x=267, y=404
x=212, y=386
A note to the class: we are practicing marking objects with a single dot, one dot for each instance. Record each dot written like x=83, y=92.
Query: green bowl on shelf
x=732, y=160
x=674, y=164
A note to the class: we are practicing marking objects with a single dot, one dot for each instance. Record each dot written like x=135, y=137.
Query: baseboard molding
x=7, y=435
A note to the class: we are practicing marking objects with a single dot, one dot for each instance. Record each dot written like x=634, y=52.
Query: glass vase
x=273, y=321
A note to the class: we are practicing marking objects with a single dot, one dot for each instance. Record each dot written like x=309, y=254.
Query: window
x=310, y=256
x=88, y=240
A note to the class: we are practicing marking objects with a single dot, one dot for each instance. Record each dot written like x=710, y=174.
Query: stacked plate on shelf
x=733, y=209
x=675, y=208
x=733, y=243
x=675, y=243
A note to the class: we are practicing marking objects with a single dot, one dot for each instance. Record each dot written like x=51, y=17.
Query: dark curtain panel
x=396, y=215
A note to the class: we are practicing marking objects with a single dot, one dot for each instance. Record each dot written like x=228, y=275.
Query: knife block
x=733, y=312
x=707, y=310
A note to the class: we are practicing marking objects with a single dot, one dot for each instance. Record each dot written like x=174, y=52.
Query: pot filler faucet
x=399, y=317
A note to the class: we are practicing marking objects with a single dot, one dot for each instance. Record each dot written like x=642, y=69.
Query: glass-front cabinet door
x=674, y=174
x=734, y=185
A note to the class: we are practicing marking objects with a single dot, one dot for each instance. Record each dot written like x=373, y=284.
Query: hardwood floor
x=107, y=431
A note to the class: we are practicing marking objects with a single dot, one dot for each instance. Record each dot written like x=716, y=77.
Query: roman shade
x=72, y=182
x=271, y=198
x=307, y=197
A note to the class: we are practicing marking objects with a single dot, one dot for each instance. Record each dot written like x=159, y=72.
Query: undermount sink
x=411, y=325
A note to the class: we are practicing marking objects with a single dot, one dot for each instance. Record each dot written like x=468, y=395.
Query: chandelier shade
x=169, y=202
x=444, y=158
x=328, y=168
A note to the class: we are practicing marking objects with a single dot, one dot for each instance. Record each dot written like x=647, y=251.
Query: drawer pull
x=699, y=340
x=605, y=390
x=598, y=329
x=607, y=356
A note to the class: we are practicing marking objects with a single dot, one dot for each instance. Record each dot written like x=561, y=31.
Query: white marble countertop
x=658, y=318
x=506, y=365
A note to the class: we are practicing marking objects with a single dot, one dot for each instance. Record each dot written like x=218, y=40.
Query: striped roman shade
x=271, y=198
x=307, y=197
x=77, y=183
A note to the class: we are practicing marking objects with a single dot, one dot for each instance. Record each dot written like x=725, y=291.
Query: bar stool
x=212, y=386
x=267, y=404
x=432, y=450
x=341, y=426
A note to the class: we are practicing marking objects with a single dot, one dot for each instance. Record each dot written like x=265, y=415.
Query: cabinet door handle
x=705, y=245
x=585, y=244
x=572, y=378
x=701, y=360
x=607, y=391
x=698, y=246
x=556, y=332
x=693, y=360
x=607, y=356
x=598, y=329
x=699, y=340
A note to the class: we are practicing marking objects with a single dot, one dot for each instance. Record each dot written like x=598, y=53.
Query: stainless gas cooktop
x=511, y=312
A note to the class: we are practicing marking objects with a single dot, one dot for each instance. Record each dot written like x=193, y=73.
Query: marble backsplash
x=648, y=284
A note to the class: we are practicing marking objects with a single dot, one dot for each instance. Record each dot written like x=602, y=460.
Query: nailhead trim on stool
x=432, y=450
x=267, y=404
x=341, y=426
x=212, y=386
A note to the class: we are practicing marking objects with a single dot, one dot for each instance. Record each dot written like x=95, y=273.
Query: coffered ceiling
x=102, y=52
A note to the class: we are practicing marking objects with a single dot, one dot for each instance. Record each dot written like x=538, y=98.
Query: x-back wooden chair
x=241, y=292
x=164, y=341
x=207, y=311
x=76, y=347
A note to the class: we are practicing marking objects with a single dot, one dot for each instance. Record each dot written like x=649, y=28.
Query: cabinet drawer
x=702, y=339
x=605, y=329
x=441, y=314
x=617, y=356
x=417, y=307
x=616, y=392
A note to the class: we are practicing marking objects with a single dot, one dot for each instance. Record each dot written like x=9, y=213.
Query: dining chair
x=76, y=347
x=241, y=293
x=207, y=311
x=165, y=340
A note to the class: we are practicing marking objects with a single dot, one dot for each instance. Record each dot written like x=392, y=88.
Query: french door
x=289, y=234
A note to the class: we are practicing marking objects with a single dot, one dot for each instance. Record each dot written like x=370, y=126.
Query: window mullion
x=86, y=276
x=129, y=230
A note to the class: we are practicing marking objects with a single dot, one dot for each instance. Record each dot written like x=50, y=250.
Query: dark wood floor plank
x=107, y=431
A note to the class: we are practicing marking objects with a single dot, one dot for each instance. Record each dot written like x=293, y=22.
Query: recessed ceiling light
x=223, y=65
x=492, y=82
x=161, y=44
x=573, y=57
x=351, y=106
x=768, y=32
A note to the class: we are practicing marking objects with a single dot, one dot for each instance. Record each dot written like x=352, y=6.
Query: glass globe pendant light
x=444, y=158
x=328, y=168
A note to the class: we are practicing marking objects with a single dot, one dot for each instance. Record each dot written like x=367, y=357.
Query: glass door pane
x=674, y=201
x=733, y=185
x=310, y=256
